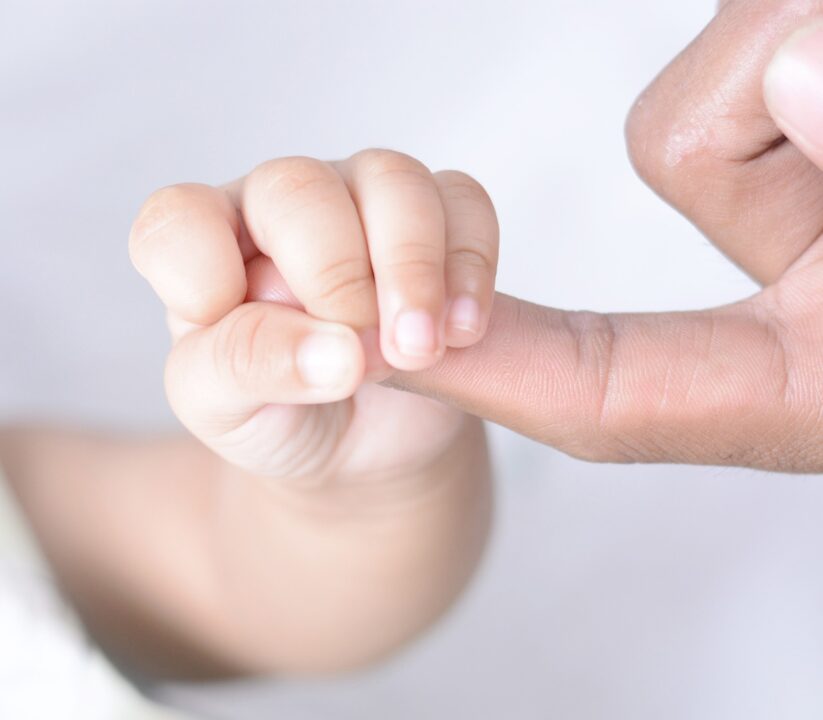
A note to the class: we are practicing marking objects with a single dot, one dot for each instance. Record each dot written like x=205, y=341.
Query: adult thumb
x=793, y=89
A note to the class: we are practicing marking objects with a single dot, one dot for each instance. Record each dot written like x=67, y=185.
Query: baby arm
x=320, y=520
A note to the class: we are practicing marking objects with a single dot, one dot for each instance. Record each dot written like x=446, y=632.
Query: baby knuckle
x=162, y=210
x=206, y=304
x=457, y=185
x=380, y=165
x=285, y=177
x=470, y=258
x=237, y=344
x=414, y=261
x=351, y=277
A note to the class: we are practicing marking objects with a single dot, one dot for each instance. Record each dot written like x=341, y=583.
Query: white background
x=608, y=592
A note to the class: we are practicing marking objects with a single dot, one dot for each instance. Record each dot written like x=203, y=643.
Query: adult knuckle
x=646, y=153
x=596, y=353
x=592, y=432
x=668, y=148
x=681, y=131
x=612, y=430
x=672, y=126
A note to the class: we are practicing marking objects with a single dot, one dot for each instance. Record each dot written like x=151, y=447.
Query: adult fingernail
x=793, y=84
x=464, y=314
x=414, y=333
x=325, y=360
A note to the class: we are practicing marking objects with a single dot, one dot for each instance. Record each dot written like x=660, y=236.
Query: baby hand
x=292, y=290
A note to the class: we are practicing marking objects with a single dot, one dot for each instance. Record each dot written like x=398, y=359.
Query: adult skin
x=731, y=135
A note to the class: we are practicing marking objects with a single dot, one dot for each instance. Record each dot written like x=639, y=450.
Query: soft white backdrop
x=608, y=592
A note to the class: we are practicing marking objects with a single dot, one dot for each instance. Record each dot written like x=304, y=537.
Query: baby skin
x=314, y=520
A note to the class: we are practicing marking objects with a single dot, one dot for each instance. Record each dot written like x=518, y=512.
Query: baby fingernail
x=464, y=314
x=324, y=360
x=414, y=333
x=793, y=83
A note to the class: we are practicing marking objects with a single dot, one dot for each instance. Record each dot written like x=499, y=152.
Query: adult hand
x=731, y=135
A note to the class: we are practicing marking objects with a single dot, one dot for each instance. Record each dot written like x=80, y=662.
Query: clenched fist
x=292, y=291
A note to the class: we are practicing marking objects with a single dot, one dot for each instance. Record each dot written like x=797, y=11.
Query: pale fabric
x=49, y=668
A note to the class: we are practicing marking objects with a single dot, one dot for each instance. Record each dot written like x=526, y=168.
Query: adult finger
x=702, y=137
x=184, y=242
x=725, y=386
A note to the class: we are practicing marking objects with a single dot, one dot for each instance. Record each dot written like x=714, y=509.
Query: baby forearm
x=335, y=576
x=182, y=565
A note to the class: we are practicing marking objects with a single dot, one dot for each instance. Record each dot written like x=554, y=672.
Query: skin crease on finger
x=604, y=388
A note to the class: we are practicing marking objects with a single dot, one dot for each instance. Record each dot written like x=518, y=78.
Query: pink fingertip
x=464, y=314
x=325, y=361
x=415, y=334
